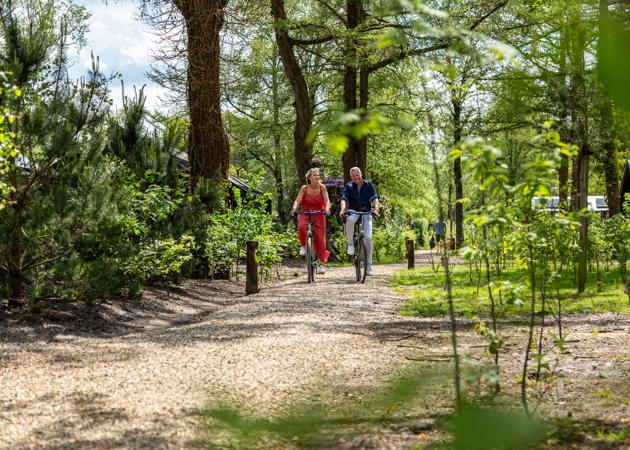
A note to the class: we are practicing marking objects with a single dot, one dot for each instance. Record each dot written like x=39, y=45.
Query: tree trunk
x=612, y=175
x=363, y=105
x=279, y=155
x=208, y=144
x=457, y=176
x=560, y=91
x=303, y=151
x=580, y=117
x=350, y=156
x=583, y=167
x=355, y=155
x=16, y=254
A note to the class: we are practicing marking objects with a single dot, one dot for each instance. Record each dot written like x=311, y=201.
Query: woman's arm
x=298, y=200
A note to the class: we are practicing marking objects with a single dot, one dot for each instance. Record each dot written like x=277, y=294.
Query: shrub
x=390, y=234
x=228, y=233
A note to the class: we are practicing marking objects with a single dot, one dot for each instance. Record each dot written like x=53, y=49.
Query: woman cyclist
x=313, y=196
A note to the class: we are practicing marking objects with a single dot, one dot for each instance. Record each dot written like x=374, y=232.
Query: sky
x=123, y=45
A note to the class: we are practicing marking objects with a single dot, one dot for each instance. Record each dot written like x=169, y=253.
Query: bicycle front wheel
x=360, y=261
x=310, y=259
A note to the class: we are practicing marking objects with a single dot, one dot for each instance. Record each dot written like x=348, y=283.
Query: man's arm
x=374, y=198
x=344, y=200
x=375, y=206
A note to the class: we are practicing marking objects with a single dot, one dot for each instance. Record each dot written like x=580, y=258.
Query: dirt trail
x=134, y=375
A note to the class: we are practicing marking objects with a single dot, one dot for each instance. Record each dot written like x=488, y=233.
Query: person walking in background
x=359, y=195
x=313, y=196
x=440, y=234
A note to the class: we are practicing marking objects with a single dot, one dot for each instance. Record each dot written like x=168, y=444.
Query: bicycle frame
x=360, y=257
x=311, y=259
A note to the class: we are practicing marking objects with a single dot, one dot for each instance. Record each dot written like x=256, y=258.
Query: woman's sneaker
x=321, y=269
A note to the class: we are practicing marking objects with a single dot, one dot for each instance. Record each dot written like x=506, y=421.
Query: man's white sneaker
x=369, y=271
x=350, y=250
x=321, y=269
x=302, y=251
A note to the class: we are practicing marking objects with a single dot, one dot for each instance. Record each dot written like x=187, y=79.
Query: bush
x=390, y=235
x=228, y=233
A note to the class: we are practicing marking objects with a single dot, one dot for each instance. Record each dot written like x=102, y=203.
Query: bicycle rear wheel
x=357, y=265
x=310, y=259
x=360, y=261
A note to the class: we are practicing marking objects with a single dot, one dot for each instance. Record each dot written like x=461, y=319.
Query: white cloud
x=123, y=45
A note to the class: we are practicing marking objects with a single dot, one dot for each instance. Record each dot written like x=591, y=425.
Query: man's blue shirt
x=359, y=199
x=440, y=228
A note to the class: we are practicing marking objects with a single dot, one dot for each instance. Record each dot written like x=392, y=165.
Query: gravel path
x=137, y=377
x=141, y=390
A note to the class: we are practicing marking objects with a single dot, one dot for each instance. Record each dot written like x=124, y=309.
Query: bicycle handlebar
x=360, y=213
x=310, y=213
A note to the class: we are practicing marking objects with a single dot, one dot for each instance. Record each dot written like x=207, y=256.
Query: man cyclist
x=359, y=195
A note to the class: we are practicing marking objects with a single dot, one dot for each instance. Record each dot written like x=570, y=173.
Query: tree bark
x=562, y=92
x=208, y=144
x=583, y=168
x=279, y=154
x=251, y=282
x=355, y=155
x=580, y=117
x=363, y=105
x=457, y=175
x=304, y=110
x=16, y=254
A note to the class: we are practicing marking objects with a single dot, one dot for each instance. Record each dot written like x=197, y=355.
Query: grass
x=427, y=293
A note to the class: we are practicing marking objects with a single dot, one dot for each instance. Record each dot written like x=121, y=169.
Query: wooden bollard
x=251, y=282
x=411, y=254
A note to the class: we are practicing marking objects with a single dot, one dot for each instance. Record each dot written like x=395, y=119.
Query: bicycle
x=312, y=262
x=360, y=256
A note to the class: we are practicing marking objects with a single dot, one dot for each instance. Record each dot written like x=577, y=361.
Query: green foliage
x=613, y=239
x=160, y=226
x=506, y=226
x=390, y=234
x=614, y=55
x=345, y=125
x=142, y=152
x=60, y=185
x=227, y=235
x=160, y=260
x=541, y=245
x=476, y=427
x=8, y=152
x=80, y=224
x=137, y=240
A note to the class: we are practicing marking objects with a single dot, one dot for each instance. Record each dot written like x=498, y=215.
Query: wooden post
x=251, y=282
x=410, y=254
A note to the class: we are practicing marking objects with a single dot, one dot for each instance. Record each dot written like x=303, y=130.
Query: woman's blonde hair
x=309, y=173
